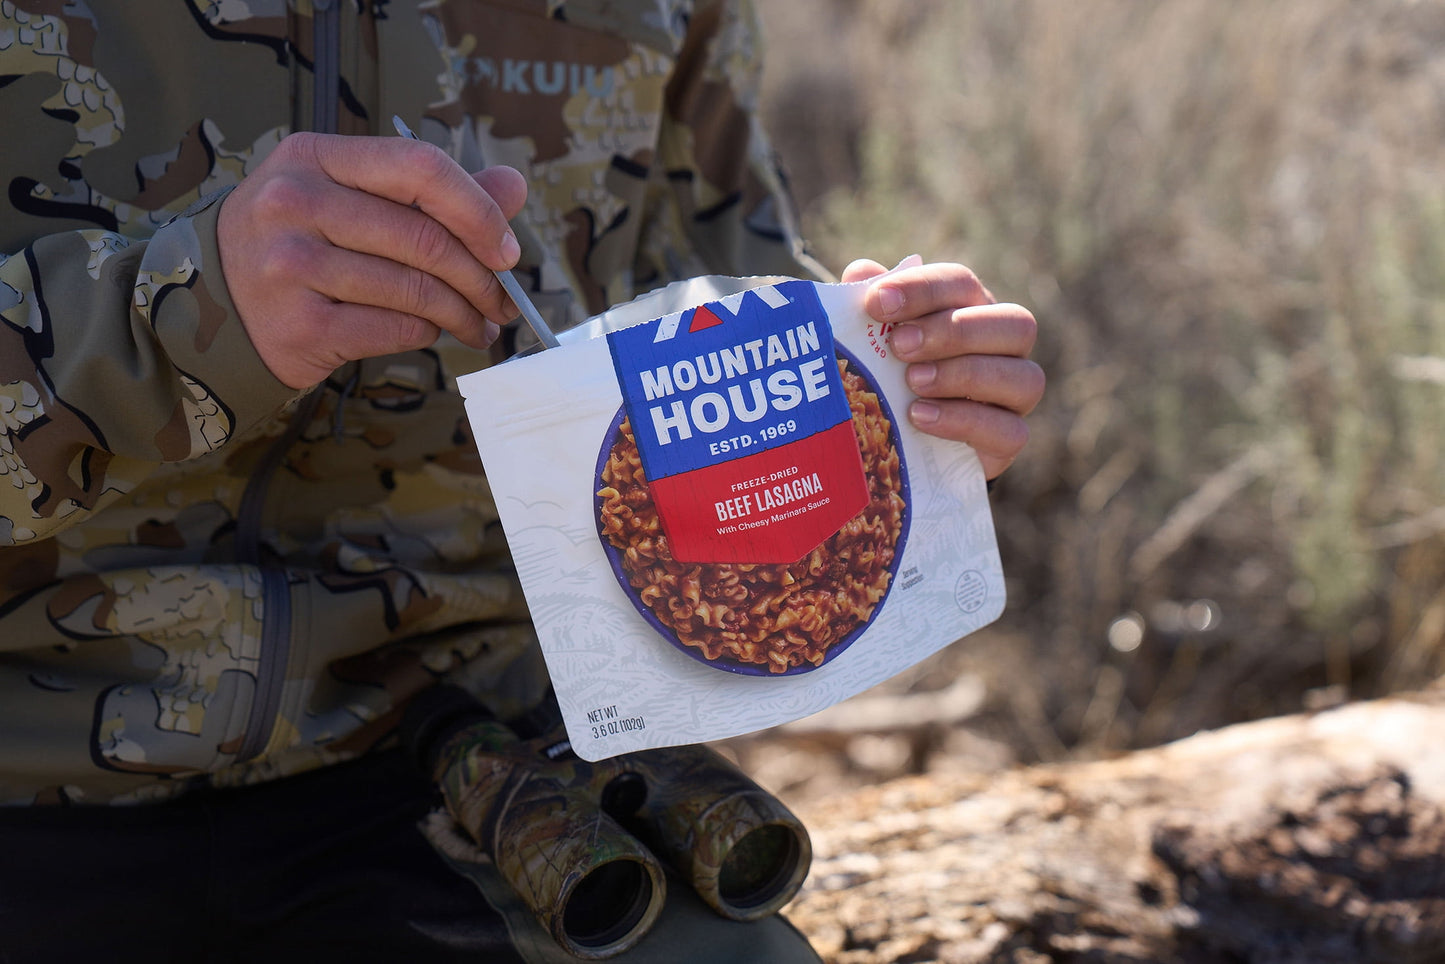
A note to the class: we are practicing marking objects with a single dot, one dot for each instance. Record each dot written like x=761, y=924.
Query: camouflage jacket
x=205, y=579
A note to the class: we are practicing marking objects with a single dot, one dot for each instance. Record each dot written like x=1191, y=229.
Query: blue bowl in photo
x=728, y=663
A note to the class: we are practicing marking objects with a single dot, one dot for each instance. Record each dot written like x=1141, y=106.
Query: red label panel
x=774, y=506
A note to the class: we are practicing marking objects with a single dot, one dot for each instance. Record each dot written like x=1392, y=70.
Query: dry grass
x=1229, y=218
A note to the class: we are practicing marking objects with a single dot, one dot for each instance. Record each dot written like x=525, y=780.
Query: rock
x=1317, y=838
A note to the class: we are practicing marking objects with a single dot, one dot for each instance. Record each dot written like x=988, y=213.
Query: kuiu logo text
x=546, y=77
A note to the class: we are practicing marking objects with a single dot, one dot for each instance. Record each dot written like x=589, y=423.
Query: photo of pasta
x=762, y=619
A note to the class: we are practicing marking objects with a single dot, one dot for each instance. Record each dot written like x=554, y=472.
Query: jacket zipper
x=275, y=586
x=326, y=66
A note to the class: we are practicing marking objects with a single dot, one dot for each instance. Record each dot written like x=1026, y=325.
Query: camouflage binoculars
x=582, y=844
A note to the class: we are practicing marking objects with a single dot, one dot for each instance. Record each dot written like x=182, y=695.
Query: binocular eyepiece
x=583, y=844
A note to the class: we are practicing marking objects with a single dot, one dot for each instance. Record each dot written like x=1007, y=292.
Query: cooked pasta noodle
x=776, y=616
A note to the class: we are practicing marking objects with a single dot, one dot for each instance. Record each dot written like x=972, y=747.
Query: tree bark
x=1308, y=839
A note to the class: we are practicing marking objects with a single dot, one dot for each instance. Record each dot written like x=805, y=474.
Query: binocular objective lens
x=624, y=795
x=607, y=904
x=758, y=867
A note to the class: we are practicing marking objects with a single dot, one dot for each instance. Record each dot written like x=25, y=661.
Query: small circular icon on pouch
x=971, y=591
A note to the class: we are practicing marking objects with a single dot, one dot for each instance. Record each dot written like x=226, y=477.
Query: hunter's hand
x=968, y=356
x=340, y=248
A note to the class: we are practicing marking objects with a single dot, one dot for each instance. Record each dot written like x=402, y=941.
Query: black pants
x=327, y=866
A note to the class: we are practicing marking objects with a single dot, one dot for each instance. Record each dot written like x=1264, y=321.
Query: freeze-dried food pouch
x=719, y=523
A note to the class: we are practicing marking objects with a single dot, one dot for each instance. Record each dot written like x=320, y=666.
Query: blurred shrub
x=1229, y=219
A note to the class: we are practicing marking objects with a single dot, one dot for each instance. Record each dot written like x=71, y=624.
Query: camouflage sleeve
x=116, y=355
x=718, y=203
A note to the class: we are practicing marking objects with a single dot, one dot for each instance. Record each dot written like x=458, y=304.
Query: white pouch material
x=643, y=667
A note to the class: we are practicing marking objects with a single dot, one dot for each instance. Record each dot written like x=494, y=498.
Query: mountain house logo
x=547, y=78
x=742, y=425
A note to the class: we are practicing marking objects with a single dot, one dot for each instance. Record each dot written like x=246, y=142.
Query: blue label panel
x=735, y=377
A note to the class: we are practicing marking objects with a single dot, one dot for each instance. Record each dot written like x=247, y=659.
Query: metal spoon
x=513, y=288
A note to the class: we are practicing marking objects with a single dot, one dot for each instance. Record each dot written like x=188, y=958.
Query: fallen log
x=1316, y=838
